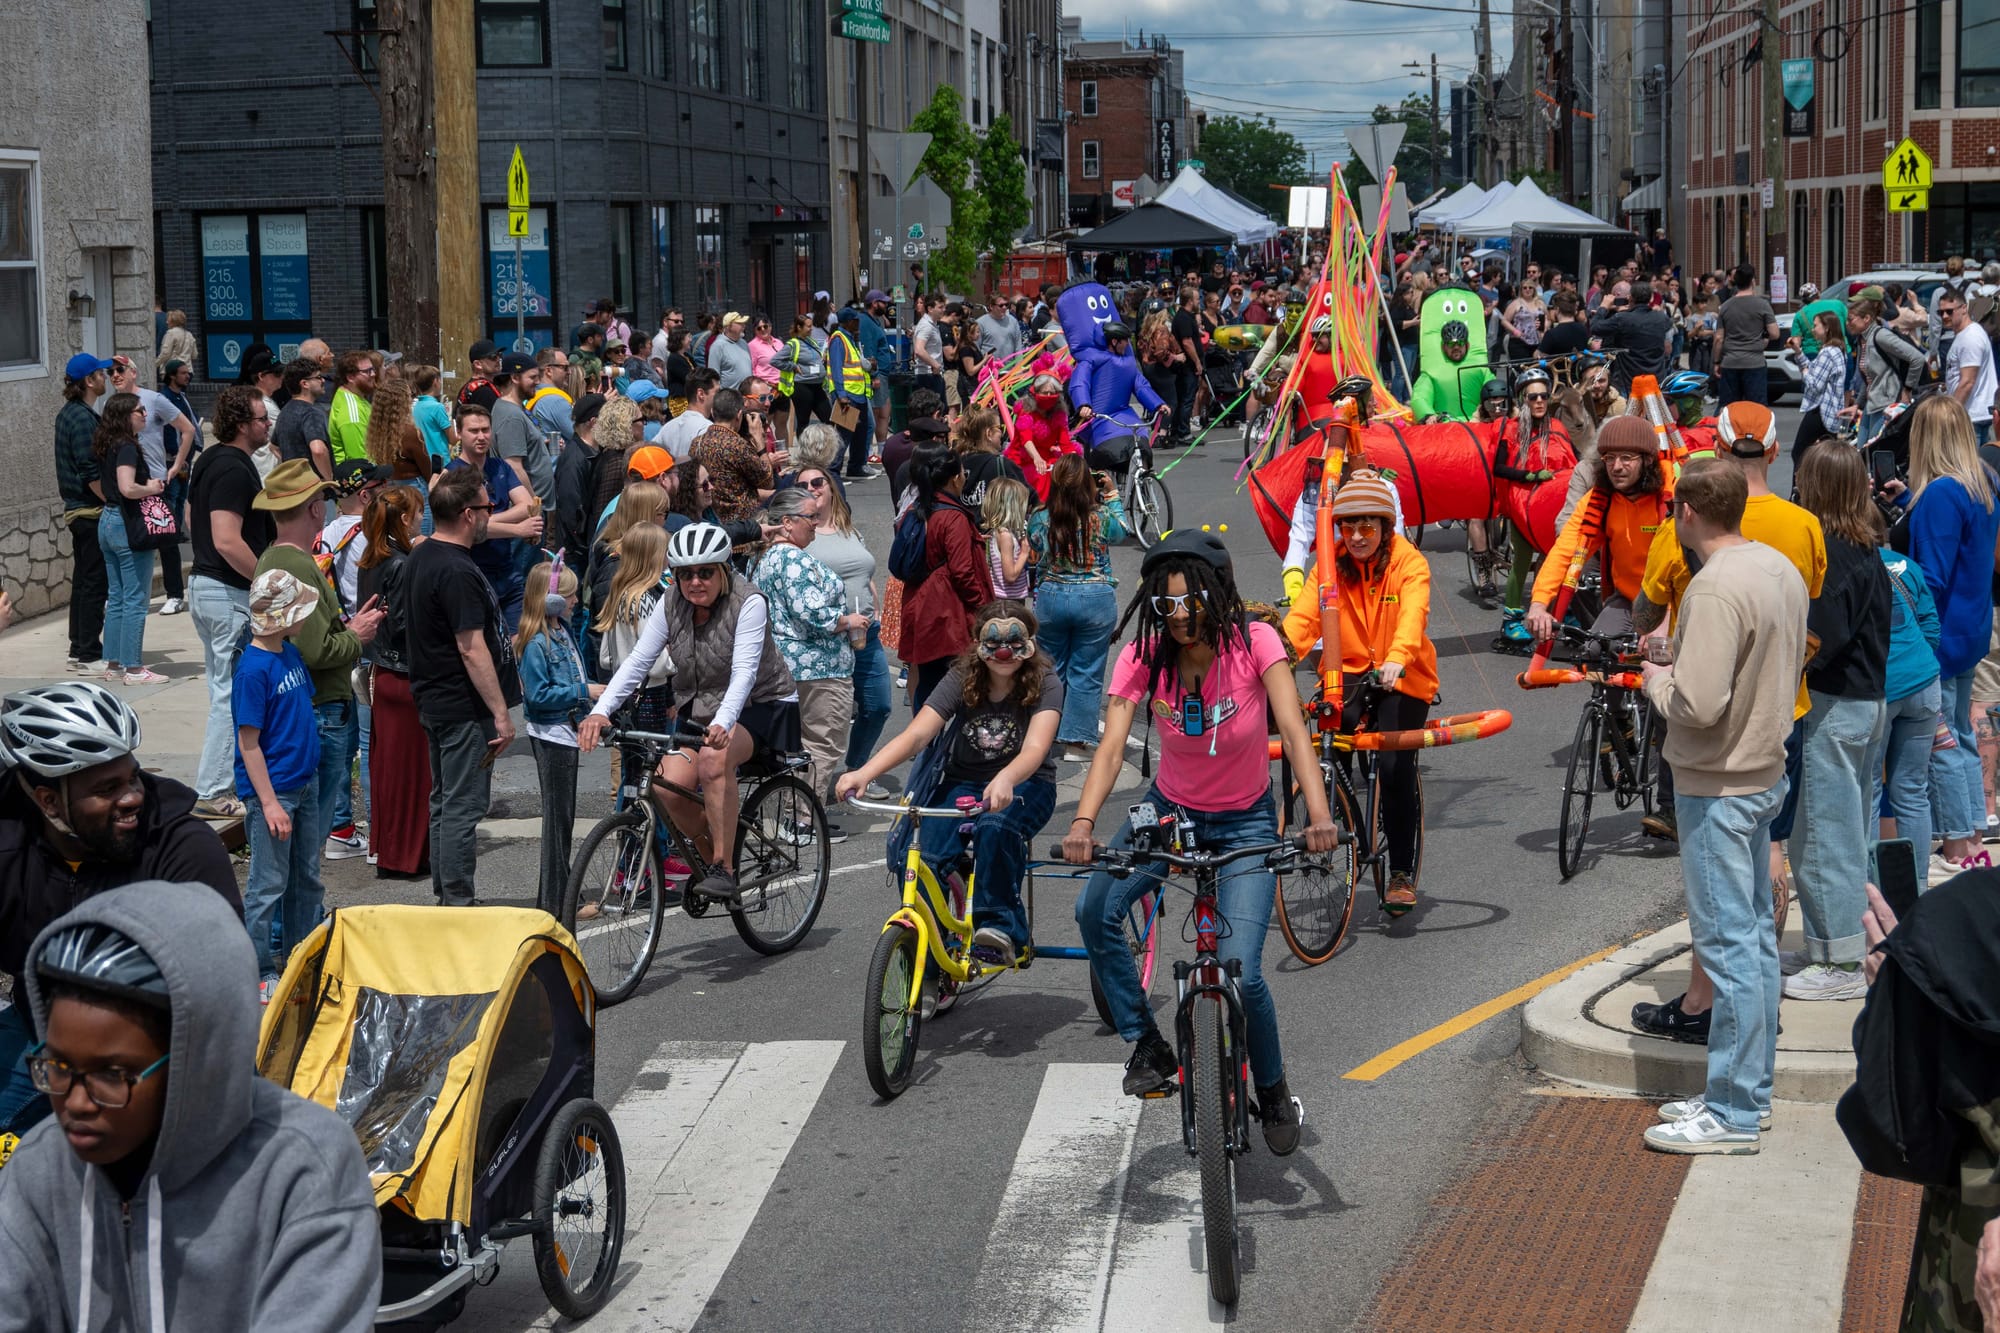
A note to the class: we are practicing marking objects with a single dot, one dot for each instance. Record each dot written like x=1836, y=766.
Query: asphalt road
x=969, y=1200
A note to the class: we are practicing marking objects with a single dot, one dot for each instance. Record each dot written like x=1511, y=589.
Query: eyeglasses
x=816, y=484
x=110, y=1087
x=1169, y=604
x=479, y=509
x=706, y=484
x=1360, y=527
x=261, y=416
x=699, y=573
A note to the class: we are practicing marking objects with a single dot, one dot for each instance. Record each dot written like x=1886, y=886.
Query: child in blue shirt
x=277, y=773
x=555, y=695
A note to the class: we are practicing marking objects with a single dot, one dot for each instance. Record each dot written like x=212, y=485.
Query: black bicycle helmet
x=99, y=957
x=1454, y=331
x=1115, y=330
x=1195, y=543
x=1492, y=389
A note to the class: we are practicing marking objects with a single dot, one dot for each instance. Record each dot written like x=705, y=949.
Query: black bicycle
x=1210, y=1031
x=1614, y=751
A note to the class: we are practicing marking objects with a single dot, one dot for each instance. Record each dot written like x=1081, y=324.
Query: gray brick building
x=677, y=151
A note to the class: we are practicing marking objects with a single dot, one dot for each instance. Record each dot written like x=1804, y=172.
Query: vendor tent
x=1527, y=211
x=1492, y=198
x=1190, y=193
x=1460, y=201
x=1154, y=226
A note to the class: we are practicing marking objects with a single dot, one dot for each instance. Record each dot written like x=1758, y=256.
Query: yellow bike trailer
x=459, y=1044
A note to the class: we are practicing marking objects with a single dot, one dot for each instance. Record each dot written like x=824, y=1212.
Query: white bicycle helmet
x=698, y=544
x=56, y=730
x=1323, y=326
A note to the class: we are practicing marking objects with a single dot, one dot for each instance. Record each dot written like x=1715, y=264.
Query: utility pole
x=865, y=178
x=460, y=246
x=1482, y=123
x=1437, y=171
x=409, y=178
x=1564, y=74
x=1774, y=137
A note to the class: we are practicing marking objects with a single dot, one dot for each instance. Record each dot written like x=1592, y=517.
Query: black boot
x=1283, y=1117
x=1152, y=1066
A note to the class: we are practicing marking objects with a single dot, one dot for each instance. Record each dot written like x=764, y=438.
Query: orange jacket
x=1630, y=524
x=1382, y=619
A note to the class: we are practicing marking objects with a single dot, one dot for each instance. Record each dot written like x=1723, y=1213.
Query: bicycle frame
x=1206, y=975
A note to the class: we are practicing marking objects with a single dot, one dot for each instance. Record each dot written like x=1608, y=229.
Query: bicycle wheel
x=1315, y=905
x=1649, y=761
x=616, y=900
x=579, y=1208
x=1143, y=939
x=889, y=1026
x=1577, y=791
x=1151, y=514
x=1211, y=1082
x=782, y=861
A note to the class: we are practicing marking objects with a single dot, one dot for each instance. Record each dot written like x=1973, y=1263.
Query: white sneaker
x=266, y=989
x=1700, y=1134
x=342, y=849
x=1694, y=1106
x=1824, y=981
x=1791, y=962
x=173, y=606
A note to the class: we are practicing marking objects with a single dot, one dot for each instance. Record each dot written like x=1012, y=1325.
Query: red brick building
x=1882, y=70
x=1127, y=116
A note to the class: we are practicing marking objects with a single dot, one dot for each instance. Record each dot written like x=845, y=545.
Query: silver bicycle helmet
x=56, y=730
x=102, y=958
x=1323, y=327
x=698, y=544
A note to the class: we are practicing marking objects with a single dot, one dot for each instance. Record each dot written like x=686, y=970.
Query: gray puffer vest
x=702, y=652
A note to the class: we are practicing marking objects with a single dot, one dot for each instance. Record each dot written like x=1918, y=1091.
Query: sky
x=1316, y=66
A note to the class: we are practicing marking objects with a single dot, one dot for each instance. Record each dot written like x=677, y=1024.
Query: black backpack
x=908, y=556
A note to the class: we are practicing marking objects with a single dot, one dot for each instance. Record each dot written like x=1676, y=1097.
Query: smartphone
x=1882, y=466
x=1896, y=874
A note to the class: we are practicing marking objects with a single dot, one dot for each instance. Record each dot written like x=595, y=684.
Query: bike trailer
x=459, y=1044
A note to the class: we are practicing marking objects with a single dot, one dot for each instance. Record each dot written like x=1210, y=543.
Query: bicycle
x=617, y=898
x=1149, y=509
x=932, y=929
x=1210, y=1033
x=1614, y=744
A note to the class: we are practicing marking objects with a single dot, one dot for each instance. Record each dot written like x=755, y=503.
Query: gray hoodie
x=256, y=1211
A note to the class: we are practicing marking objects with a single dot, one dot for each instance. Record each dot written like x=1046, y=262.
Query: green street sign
x=864, y=27
x=879, y=8
x=1194, y=162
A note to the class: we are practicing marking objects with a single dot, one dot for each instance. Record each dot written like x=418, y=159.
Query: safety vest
x=785, y=376
x=853, y=374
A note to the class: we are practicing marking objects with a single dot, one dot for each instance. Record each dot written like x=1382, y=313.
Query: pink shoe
x=144, y=676
x=675, y=868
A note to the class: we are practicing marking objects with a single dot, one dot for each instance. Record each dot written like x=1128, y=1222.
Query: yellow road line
x=1468, y=1020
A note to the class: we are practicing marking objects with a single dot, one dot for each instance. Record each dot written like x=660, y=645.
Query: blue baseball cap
x=83, y=365
x=639, y=390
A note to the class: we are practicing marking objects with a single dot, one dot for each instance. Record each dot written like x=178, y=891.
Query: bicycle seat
x=768, y=763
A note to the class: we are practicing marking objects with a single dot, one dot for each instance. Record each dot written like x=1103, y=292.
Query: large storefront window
x=1930, y=54
x=1964, y=219
x=1979, y=52
x=708, y=257
x=256, y=286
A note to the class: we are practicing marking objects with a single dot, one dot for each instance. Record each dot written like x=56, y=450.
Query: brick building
x=1128, y=116
x=1882, y=71
x=677, y=153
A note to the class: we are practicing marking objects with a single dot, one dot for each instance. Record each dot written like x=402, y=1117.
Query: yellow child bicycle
x=923, y=961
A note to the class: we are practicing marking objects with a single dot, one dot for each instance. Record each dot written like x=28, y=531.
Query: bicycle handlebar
x=1550, y=677
x=682, y=732
x=966, y=810
x=1126, y=858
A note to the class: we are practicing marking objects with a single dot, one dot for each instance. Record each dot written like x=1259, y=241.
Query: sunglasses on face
x=479, y=509
x=701, y=573
x=1360, y=527
x=816, y=484
x=1170, y=604
x=1535, y=397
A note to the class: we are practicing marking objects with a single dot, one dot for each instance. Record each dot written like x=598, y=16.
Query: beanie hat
x=1365, y=495
x=1627, y=435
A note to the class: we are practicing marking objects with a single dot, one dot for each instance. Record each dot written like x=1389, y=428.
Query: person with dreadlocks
x=1531, y=448
x=1211, y=678
x=1385, y=604
x=1616, y=522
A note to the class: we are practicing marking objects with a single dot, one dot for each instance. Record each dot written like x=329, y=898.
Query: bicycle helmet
x=1196, y=543
x=1115, y=331
x=1685, y=384
x=1454, y=331
x=56, y=730
x=102, y=958
x=1492, y=389
x=1323, y=326
x=1533, y=375
x=698, y=544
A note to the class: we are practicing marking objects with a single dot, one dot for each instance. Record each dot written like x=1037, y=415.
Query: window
x=753, y=48
x=256, y=286
x=879, y=78
x=1871, y=61
x=1698, y=108
x=375, y=275
x=978, y=51
x=932, y=48
x=1979, y=52
x=1835, y=80
x=614, y=35
x=1930, y=54
x=1802, y=237
x=1836, y=235
x=512, y=32
x=705, y=43
x=20, y=265
x=850, y=59
x=624, y=271
x=663, y=253
x=655, y=26
x=909, y=76
x=1722, y=259
x=708, y=257
x=1092, y=164
x=1739, y=79
x=799, y=34
x=1715, y=65
x=1088, y=98
x=367, y=45
x=954, y=70
x=529, y=275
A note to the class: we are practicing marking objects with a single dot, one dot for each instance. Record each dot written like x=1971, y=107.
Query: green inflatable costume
x=1447, y=388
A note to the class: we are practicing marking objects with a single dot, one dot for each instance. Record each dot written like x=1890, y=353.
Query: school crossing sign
x=1906, y=178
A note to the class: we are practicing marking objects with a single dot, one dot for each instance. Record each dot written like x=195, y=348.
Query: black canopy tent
x=1153, y=227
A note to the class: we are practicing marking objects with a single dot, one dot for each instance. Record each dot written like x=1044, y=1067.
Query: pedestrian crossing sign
x=517, y=222
x=1909, y=201
x=1907, y=170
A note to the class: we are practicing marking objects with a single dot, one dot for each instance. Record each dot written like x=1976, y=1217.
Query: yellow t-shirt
x=1777, y=523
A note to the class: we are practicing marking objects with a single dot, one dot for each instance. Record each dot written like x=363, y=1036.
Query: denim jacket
x=552, y=685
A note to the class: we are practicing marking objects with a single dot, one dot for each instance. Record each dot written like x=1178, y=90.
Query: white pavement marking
x=1160, y=1282
x=1048, y=1259
x=1789, y=1210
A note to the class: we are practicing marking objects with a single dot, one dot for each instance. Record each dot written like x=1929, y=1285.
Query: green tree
x=1248, y=156
x=1413, y=158
x=949, y=162
x=1003, y=185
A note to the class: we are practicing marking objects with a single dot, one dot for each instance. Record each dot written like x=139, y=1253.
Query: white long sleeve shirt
x=744, y=655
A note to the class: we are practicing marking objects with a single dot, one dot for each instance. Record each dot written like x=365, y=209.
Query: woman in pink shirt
x=1196, y=653
x=762, y=348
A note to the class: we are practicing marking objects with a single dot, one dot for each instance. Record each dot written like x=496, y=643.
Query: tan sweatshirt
x=1739, y=646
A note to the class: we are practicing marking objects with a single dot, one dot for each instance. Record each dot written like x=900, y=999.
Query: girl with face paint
x=1006, y=702
x=1041, y=434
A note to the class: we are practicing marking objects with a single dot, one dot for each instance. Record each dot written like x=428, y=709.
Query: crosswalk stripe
x=1048, y=1259
x=1160, y=1280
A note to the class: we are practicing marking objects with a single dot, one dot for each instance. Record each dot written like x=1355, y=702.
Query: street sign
x=1194, y=162
x=898, y=156
x=864, y=27
x=517, y=222
x=1370, y=203
x=1121, y=194
x=517, y=227
x=1767, y=192
x=879, y=8
x=1376, y=146
x=1909, y=201
x=1907, y=169
x=517, y=181
x=1307, y=206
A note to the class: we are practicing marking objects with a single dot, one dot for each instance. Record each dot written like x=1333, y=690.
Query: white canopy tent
x=1526, y=210
x=1463, y=200
x=1191, y=194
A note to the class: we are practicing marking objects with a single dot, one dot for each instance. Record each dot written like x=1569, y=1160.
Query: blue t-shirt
x=433, y=418
x=273, y=692
x=495, y=555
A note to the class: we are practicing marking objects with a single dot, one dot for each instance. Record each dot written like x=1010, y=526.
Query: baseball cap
x=83, y=365
x=1747, y=424
x=514, y=363
x=349, y=477
x=483, y=350
x=822, y=296
x=649, y=461
x=639, y=390
x=587, y=408
x=875, y=294
x=734, y=317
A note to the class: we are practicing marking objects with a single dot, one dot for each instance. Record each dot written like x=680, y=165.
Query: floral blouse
x=1107, y=526
x=807, y=599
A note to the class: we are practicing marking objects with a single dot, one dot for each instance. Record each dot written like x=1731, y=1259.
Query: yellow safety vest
x=854, y=377
x=785, y=376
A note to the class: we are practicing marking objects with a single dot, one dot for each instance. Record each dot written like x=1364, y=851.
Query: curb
x=1564, y=1036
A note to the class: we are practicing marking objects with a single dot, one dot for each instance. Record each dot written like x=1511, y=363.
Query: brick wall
x=1123, y=125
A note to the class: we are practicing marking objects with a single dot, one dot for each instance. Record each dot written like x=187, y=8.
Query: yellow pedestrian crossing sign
x=1906, y=171
x=1909, y=201
x=517, y=194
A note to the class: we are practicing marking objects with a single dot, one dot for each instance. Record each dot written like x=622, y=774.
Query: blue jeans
x=1788, y=807
x=1870, y=427
x=1982, y=431
x=1956, y=782
x=284, y=877
x=222, y=618
x=1244, y=895
x=1000, y=843
x=872, y=704
x=130, y=574
x=1902, y=771
x=1748, y=385
x=1726, y=870
x=337, y=740
x=1078, y=620
x=20, y=1105
x=854, y=443
x=1835, y=825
